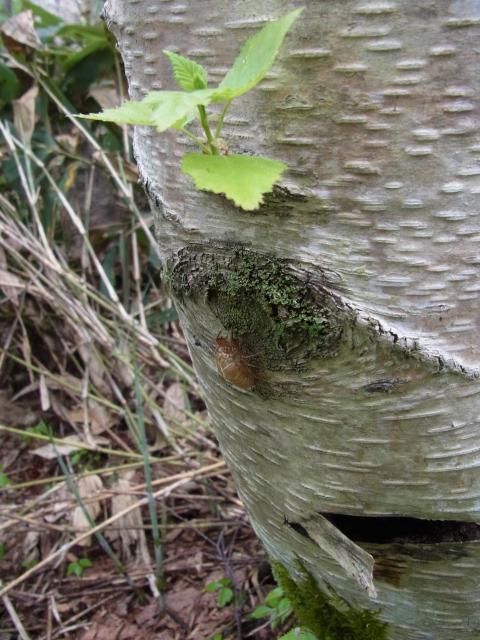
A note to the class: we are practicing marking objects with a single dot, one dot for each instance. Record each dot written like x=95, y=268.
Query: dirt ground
x=206, y=538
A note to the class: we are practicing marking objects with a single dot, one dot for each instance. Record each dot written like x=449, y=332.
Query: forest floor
x=102, y=425
x=206, y=540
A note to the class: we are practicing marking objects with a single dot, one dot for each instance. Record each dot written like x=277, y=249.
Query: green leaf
x=284, y=609
x=4, y=480
x=28, y=564
x=41, y=428
x=74, y=569
x=72, y=60
x=213, y=586
x=189, y=74
x=160, y=109
x=175, y=107
x=274, y=597
x=78, y=567
x=262, y=611
x=130, y=112
x=85, y=563
x=86, y=33
x=9, y=84
x=256, y=57
x=225, y=596
x=225, y=582
x=243, y=179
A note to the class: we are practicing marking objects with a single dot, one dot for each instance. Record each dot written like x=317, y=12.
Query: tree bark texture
x=335, y=331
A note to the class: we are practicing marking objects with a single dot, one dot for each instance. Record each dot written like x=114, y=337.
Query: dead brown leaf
x=129, y=528
x=51, y=451
x=10, y=284
x=99, y=418
x=14, y=413
x=87, y=487
x=19, y=33
x=68, y=141
x=24, y=114
x=106, y=96
x=175, y=403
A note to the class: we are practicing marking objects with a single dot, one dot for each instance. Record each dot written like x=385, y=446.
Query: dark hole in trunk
x=296, y=526
x=387, y=529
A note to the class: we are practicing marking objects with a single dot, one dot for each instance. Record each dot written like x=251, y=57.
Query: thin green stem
x=147, y=470
x=206, y=127
x=197, y=140
x=218, y=129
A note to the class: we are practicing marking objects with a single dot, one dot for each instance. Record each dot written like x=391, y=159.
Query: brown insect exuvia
x=234, y=365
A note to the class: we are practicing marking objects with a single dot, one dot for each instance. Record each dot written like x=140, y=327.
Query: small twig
x=77, y=616
x=83, y=474
x=52, y=606
x=176, y=618
x=78, y=445
x=226, y=557
x=40, y=525
x=14, y=617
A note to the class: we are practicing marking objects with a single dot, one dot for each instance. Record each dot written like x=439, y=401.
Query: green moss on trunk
x=327, y=615
x=282, y=316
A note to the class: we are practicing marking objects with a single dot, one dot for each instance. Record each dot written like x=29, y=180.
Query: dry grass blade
x=84, y=316
x=27, y=188
x=14, y=617
x=176, y=481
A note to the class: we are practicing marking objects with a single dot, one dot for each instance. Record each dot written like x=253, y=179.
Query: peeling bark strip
x=351, y=297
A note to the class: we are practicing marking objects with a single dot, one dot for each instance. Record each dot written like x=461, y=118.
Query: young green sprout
x=244, y=179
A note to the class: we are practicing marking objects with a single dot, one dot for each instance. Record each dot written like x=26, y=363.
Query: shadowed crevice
x=397, y=529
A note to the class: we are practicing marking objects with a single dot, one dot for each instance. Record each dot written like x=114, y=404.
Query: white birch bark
x=374, y=105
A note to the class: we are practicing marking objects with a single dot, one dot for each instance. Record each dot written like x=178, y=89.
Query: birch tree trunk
x=335, y=331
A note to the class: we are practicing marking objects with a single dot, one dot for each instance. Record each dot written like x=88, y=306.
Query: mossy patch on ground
x=327, y=615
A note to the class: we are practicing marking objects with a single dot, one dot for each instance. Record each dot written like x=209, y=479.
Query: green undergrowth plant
x=85, y=460
x=276, y=607
x=223, y=589
x=4, y=479
x=78, y=567
x=41, y=428
x=242, y=178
